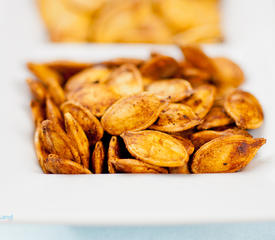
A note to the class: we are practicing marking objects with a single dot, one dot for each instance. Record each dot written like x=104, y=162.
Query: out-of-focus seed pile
x=132, y=21
x=129, y=115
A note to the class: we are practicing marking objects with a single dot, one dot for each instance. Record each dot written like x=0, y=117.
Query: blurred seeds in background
x=133, y=21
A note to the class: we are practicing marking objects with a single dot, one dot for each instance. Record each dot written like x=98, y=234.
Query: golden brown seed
x=98, y=158
x=195, y=73
x=64, y=22
x=186, y=143
x=174, y=90
x=58, y=165
x=237, y=131
x=86, y=77
x=185, y=134
x=96, y=97
x=147, y=81
x=197, y=58
x=126, y=80
x=136, y=166
x=117, y=62
x=197, y=82
x=176, y=117
x=190, y=149
x=41, y=153
x=85, y=6
x=89, y=123
x=68, y=68
x=226, y=154
x=38, y=112
x=221, y=92
x=227, y=72
x=135, y=112
x=160, y=67
x=53, y=113
x=38, y=91
x=156, y=148
x=56, y=141
x=113, y=153
x=202, y=100
x=216, y=117
x=184, y=64
x=51, y=79
x=78, y=138
x=179, y=170
x=202, y=137
x=245, y=109
x=44, y=73
x=201, y=33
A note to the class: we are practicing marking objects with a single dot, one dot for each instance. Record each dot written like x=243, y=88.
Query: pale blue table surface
x=248, y=231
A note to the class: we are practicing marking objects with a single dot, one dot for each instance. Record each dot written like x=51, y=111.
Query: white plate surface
x=130, y=199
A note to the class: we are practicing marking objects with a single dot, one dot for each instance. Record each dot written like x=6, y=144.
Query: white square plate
x=31, y=196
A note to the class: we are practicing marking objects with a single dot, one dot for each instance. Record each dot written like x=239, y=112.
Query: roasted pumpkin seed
x=186, y=143
x=227, y=72
x=78, y=138
x=222, y=91
x=226, y=154
x=58, y=165
x=113, y=153
x=51, y=80
x=245, y=109
x=191, y=72
x=155, y=148
x=53, y=113
x=160, y=67
x=56, y=141
x=38, y=112
x=86, y=77
x=117, y=62
x=197, y=58
x=133, y=113
x=89, y=123
x=216, y=117
x=176, y=117
x=136, y=166
x=190, y=149
x=98, y=158
x=96, y=97
x=202, y=100
x=44, y=73
x=126, y=80
x=173, y=90
x=147, y=81
x=202, y=137
x=41, y=153
x=37, y=89
x=68, y=68
x=179, y=170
